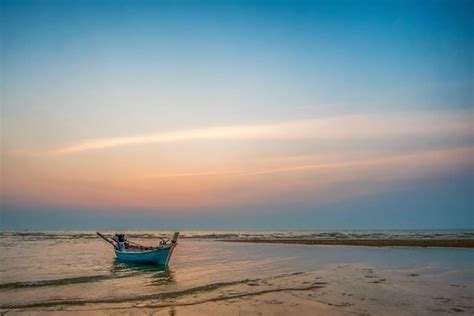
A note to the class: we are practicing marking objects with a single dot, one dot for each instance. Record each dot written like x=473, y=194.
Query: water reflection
x=156, y=274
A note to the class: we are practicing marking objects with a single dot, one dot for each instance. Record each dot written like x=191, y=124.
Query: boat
x=129, y=251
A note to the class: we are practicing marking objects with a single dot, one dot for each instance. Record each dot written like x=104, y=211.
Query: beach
x=453, y=243
x=76, y=273
x=314, y=157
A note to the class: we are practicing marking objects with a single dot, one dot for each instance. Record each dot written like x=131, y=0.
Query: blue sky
x=237, y=112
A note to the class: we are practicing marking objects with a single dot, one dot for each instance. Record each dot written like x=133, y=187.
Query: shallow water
x=77, y=271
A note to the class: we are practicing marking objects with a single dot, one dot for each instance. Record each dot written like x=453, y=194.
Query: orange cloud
x=336, y=128
x=305, y=179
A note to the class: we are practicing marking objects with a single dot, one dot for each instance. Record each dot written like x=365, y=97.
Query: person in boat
x=123, y=244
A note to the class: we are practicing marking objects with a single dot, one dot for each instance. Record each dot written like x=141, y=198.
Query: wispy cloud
x=424, y=158
x=335, y=128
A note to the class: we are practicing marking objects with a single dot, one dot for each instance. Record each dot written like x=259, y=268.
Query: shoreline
x=454, y=243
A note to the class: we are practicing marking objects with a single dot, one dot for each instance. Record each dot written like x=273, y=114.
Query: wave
x=120, y=270
x=317, y=235
x=56, y=282
x=170, y=295
x=195, y=290
x=65, y=281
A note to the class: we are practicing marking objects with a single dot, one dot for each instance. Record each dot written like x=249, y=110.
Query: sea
x=44, y=272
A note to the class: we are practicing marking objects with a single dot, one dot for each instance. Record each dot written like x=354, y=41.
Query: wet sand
x=283, y=303
x=340, y=289
x=457, y=243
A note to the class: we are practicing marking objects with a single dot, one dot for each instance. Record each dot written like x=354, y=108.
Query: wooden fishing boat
x=130, y=251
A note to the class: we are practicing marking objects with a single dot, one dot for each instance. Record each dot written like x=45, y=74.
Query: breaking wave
x=209, y=235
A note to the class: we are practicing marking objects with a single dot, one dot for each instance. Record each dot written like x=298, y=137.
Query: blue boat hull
x=159, y=256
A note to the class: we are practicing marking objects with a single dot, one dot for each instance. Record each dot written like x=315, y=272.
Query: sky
x=237, y=114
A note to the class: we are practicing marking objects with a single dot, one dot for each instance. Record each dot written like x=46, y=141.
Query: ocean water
x=77, y=271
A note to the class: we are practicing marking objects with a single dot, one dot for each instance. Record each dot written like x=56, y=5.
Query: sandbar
x=451, y=243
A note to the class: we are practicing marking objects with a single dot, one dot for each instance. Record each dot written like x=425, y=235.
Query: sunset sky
x=237, y=114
